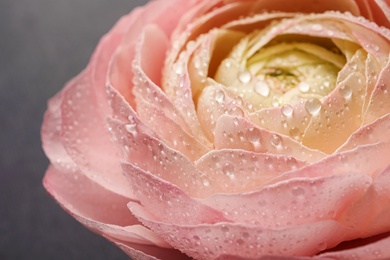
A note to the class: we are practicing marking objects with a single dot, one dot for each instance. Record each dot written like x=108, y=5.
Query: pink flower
x=231, y=129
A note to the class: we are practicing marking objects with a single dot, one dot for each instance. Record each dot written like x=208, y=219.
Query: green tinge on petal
x=282, y=73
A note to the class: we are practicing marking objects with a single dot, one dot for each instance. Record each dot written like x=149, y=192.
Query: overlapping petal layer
x=231, y=129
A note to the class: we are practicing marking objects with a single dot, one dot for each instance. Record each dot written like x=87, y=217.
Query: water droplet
x=287, y=110
x=205, y=181
x=276, y=140
x=228, y=170
x=322, y=246
x=313, y=106
x=262, y=88
x=253, y=135
x=303, y=87
x=345, y=91
x=131, y=128
x=295, y=133
x=179, y=68
x=220, y=96
x=244, y=77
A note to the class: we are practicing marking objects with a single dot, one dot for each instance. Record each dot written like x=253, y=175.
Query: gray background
x=43, y=43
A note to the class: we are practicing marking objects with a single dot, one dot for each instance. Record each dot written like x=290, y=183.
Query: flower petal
x=142, y=252
x=367, y=160
x=163, y=118
x=379, y=104
x=376, y=250
x=97, y=208
x=294, y=202
x=171, y=206
x=239, y=133
x=152, y=155
x=209, y=241
x=376, y=132
x=236, y=170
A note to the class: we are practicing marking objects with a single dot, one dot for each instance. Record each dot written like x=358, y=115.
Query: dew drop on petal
x=287, y=110
x=262, y=88
x=322, y=246
x=205, y=181
x=276, y=140
x=179, y=68
x=303, y=87
x=345, y=91
x=253, y=135
x=295, y=133
x=131, y=128
x=244, y=77
x=313, y=106
x=220, y=96
x=228, y=170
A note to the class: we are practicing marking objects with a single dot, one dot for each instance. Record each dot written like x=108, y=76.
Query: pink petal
x=371, y=214
x=375, y=10
x=305, y=6
x=376, y=132
x=375, y=250
x=379, y=104
x=366, y=160
x=238, y=133
x=161, y=117
x=235, y=171
x=86, y=138
x=51, y=135
x=120, y=73
x=143, y=252
x=294, y=202
x=82, y=110
x=168, y=202
x=97, y=208
x=209, y=241
x=154, y=156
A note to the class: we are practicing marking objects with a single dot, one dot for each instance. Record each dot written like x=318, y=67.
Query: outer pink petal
x=376, y=132
x=86, y=138
x=233, y=171
x=168, y=202
x=210, y=241
x=121, y=74
x=154, y=156
x=304, y=6
x=295, y=202
x=375, y=10
x=143, y=252
x=376, y=250
x=368, y=160
x=82, y=109
x=51, y=135
x=98, y=209
x=371, y=214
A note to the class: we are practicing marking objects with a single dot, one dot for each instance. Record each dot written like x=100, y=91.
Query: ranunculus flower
x=231, y=129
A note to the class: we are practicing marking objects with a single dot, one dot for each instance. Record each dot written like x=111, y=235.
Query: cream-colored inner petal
x=283, y=73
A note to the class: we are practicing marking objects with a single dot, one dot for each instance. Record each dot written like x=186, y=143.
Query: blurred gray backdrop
x=43, y=44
